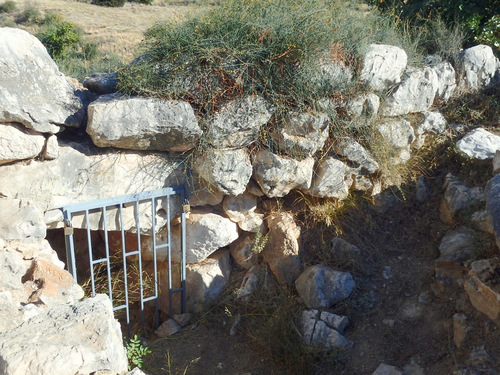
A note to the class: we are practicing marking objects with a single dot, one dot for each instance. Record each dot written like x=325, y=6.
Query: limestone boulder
x=51, y=285
x=383, y=66
x=51, y=150
x=33, y=249
x=101, y=83
x=416, y=93
x=282, y=249
x=18, y=143
x=496, y=163
x=242, y=251
x=480, y=66
x=238, y=122
x=79, y=338
x=320, y=286
x=334, y=74
x=385, y=369
x=455, y=249
x=485, y=298
x=256, y=279
x=139, y=123
x=206, y=280
x=332, y=179
x=397, y=136
x=13, y=268
x=447, y=82
x=242, y=209
x=362, y=109
x=357, y=154
x=277, y=175
x=431, y=122
x=201, y=192
x=493, y=205
x=34, y=93
x=479, y=144
x=81, y=173
x=208, y=232
x=20, y=219
x=300, y=135
x=459, y=198
x=227, y=170
x=322, y=329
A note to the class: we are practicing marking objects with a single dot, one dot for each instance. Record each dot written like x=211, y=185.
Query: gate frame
x=119, y=202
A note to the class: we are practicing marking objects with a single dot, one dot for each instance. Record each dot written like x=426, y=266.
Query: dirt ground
x=117, y=30
x=398, y=314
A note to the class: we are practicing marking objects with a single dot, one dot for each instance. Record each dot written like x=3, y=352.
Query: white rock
x=242, y=251
x=480, y=65
x=20, y=219
x=227, y=170
x=415, y=93
x=17, y=143
x=363, y=107
x=332, y=179
x=317, y=333
x=80, y=174
x=384, y=369
x=302, y=134
x=82, y=338
x=241, y=209
x=320, y=286
x=458, y=197
x=496, y=163
x=51, y=150
x=51, y=285
x=277, y=175
x=479, y=144
x=238, y=122
x=33, y=248
x=493, y=205
x=201, y=192
x=356, y=153
x=139, y=123
x=208, y=232
x=446, y=80
x=398, y=136
x=383, y=66
x=282, y=248
x=34, y=92
x=431, y=122
x=206, y=280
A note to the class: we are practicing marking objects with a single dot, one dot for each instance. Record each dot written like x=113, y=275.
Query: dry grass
x=117, y=30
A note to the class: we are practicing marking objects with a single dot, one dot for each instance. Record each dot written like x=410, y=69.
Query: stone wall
x=140, y=144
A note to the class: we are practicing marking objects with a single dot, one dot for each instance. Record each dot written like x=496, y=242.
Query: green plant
x=29, y=16
x=59, y=37
x=265, y=47
x=8, y=7
x=146, y=2
x=259, y=242
x=109, y=3
x=135, y=352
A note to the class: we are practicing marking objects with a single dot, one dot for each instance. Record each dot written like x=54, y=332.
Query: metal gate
x=108, y=214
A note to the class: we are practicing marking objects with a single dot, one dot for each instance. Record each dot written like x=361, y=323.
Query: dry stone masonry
x=137, y=144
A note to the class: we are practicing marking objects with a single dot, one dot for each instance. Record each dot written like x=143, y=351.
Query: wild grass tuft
x=288, y=51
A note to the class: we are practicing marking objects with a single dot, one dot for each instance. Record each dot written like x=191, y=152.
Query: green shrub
x=265, y=47
x=29, y=16
x=109, y=3
x=479, y=18
x=8, y=7
x=59, y=37
x=146, y=2
x=135, y=352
